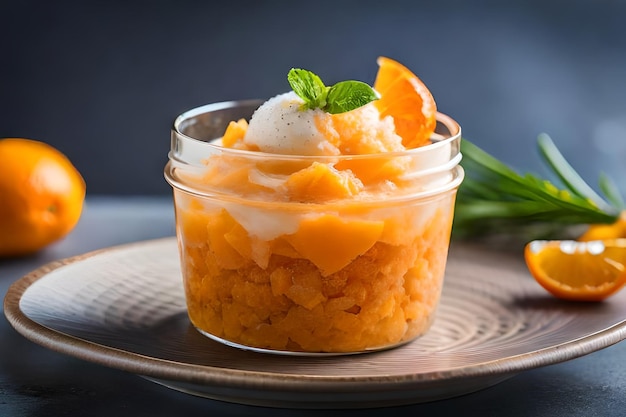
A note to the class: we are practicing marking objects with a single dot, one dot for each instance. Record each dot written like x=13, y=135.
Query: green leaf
x=349, y=95
x=341, y=97
x=566, y=172
x=611, y=191
x=309, y=87
x=494, y=199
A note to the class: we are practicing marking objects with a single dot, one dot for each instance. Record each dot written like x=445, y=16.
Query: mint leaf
x=309, y=87
x=349, y=95
x=341, y=97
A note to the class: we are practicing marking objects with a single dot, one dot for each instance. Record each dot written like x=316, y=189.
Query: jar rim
x=196, y=134
x=212, y=143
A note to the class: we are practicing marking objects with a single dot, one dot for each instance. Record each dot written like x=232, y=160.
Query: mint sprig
x=339, y=98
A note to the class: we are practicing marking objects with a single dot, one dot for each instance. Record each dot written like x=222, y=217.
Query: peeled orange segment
x=235, y=131
x=218, y=227
x=581, y=271
x=405, y=98
x=321, y=182
x=332, y=243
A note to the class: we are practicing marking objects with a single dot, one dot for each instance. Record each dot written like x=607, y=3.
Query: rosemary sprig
x=566, y=172
x=495, y=200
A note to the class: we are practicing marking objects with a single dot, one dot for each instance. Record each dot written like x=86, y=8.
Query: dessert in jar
x=318, y=221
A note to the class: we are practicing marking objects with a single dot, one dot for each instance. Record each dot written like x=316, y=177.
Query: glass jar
x=322, y=272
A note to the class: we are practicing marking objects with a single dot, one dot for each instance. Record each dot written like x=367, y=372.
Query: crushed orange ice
x=333, y=285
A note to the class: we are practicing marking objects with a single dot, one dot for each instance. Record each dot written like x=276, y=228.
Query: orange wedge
x=406, y=98
x=615, y=230
x=580, y=271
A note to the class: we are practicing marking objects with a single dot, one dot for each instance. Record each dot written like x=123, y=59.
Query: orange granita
x=308, y=292
x=316, y=232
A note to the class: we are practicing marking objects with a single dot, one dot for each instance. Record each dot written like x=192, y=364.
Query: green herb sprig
x=339, y=98
x=495, y=200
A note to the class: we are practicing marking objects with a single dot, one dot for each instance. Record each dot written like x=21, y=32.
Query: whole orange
x=41, y=196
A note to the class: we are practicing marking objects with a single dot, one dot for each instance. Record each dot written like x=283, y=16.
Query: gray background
x=103, y=80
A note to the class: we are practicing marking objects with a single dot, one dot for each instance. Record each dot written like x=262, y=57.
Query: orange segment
x=321, y=182
x=332, y=243
x=407, y=100
x=235, y=131
x=581, y=271
x=229, y=173
x=218, y=227
x=374, y=169
x=616, y=230
x=249, y=247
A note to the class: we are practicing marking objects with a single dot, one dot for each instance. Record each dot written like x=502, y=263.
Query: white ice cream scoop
x=281, y=126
